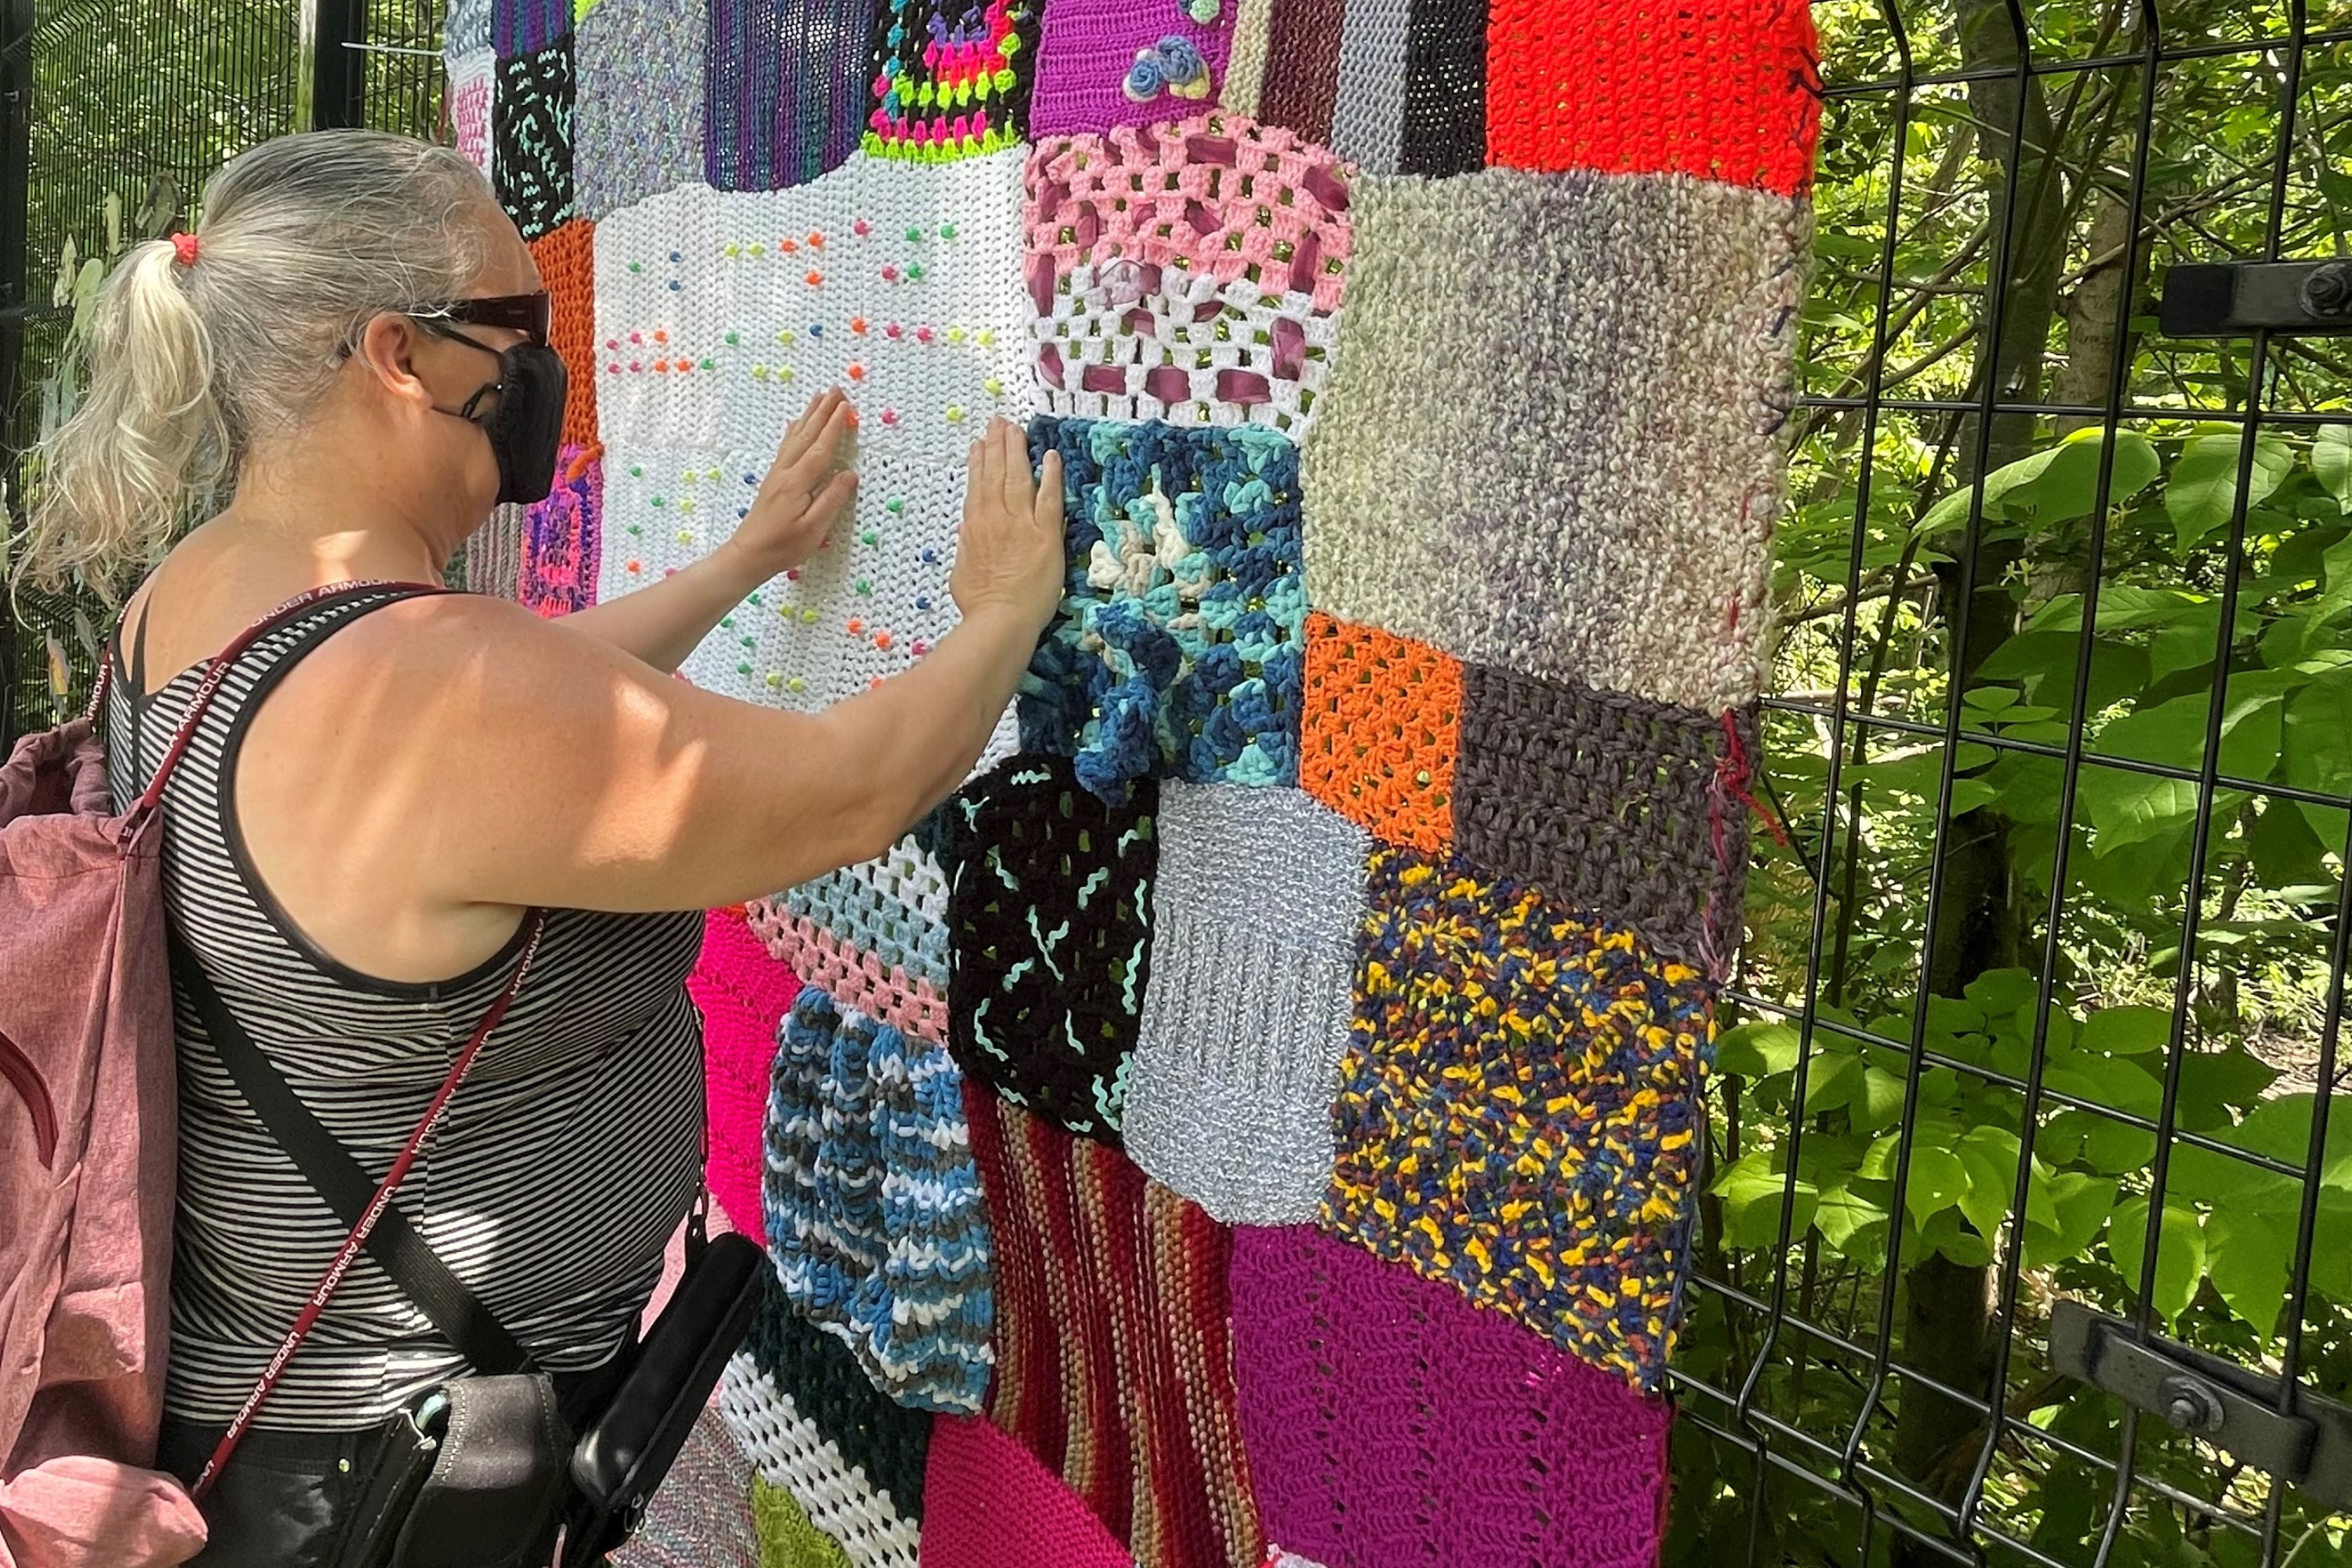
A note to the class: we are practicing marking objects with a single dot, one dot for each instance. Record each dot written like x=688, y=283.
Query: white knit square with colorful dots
x=720, y=314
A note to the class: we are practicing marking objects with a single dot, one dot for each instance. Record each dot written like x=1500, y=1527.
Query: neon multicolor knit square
x=1519, y=1113
x=952, y=76
x=1177, y=650
x=562, y=538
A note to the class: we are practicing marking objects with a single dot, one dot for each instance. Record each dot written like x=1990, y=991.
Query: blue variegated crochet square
x=1179, y=647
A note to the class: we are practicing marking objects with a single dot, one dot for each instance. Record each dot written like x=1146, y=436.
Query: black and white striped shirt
x=567, y=1157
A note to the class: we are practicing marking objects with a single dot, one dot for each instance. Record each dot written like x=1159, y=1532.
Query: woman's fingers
x=802, y=434
x=827, y=445
x=1047, y=509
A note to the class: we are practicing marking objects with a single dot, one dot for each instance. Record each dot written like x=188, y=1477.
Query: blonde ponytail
x=192, y=364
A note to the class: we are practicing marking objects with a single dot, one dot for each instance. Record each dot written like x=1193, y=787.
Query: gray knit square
x=637, y=128
x=1551, y=441
x=1260, y=897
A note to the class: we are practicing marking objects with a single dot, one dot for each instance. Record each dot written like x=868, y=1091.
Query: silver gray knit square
x=1260, y=897
x=636, y=129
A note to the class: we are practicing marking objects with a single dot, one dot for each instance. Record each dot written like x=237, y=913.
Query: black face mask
x=525, y=427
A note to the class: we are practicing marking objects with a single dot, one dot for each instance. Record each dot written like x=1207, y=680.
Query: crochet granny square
x=872, y=1209
x=1102, y=63
x=1049, y=918
x=1610, y=803
x=557, y=574
x=1176, y=651
x=1114, y=1360
x=637, y=130
x=473, y=87
x=566, y=257
x=530, y=135
x=519, y=27
x=1519, y=1115
x=950, y=77
x=1379, y=728
x=1730, y=90
x=784, y=90
x=1389, y=1420
x=874, y=934
x=1593, y=372
x=1190, y=273
x=1260, y=895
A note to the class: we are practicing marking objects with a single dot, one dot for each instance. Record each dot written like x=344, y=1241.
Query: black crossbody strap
x=346, y=1189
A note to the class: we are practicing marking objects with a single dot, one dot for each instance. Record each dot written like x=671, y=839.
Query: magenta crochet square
x=744, y=996
x=1389, y=1421
x=1089, y=47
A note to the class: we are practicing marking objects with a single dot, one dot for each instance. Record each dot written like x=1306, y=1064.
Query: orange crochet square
x=1724, y=90
x=1380, y=731
x=567, y=265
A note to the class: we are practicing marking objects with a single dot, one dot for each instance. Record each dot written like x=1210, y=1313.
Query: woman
x=386, y=784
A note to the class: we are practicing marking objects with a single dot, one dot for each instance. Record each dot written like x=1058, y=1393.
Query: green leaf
x=2173, y=732
x=2248, y=1257
x=1853, y=1224
x=2133, y=808
x=2127, y=1031
x=2180, y=1259
x=2202, y=492
x=2079, y=1206
x=1877, y=1100
x=2316, y=743
x=2116, y=1082
x=1751, y=1196
x=1989, y=1156
x=1965, y=1248
x=2286, y=852
x=2001, y=992
x=1830, y=1079
x=1758, y=1050
x=2331, y=460
x=1938, y=1181
x=2054, y=486
x=2234, y=1077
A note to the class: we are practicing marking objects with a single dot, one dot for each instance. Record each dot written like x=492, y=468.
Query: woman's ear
x=387, y=349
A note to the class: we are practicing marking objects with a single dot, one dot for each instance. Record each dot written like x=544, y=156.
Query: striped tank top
x=570, y=1154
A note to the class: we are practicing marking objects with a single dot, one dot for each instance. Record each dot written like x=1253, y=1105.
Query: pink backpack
x=88, y=1145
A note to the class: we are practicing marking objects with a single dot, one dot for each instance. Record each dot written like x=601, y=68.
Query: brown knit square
x=1609, y=802
x=1377, y=732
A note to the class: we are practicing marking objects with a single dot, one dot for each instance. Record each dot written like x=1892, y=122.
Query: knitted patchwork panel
x=562, y=538
x=720, y=315
x=492, y=559
x=1253, y=949
x=744, y=996
x=1611, y=803
x=883, y=1441
x=829, y=1472
x=472, y=89
x=466, y=28
x=1177, y=648
x=1593, y=371
x=701, y=1514
x=950, y=77
x=987, y=1503
x=1189, y=272
x=1389, y=1421
x=566, y=257
x=784, y=90
x=1114, y=1364
x=1519, y=1113
x=1048, y=915
x=1245, y=64
x=788, y=1537
x=1411, y=94
x=874, y=1211
x=1105, y=63
x=638, y=127
x=1729, y=90
x=879, y=928
x=1379, y=730
x=530, y=135
x=519, y=27
x=1302, y=66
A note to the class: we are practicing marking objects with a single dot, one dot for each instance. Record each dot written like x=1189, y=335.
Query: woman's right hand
x=1008, y=554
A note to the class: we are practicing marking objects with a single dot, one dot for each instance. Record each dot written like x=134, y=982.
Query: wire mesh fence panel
x=2029, y=1231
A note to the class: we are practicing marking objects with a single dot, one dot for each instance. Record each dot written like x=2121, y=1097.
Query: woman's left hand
x=809, y=488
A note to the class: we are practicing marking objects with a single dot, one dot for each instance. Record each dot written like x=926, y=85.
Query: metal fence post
x=334, y=71
x=16, y=22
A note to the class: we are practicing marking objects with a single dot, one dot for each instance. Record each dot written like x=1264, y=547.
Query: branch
x=1882, y=590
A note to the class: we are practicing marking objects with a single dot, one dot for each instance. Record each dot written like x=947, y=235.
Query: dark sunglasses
x=530, y=314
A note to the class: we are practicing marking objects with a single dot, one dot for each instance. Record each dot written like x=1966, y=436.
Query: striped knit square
x=491, y=562
x=1190, y=273
x=1176, y=651
x=1049, y=920
x=519, y=27
x=560, y=538
x=1254, y=917
x=1105, y=63
x=1633, y=808
x=566, y=257
x=1519, y=1116
x=874, y=1211
x=950, y=77
x=638, y=127
x=1730, y=90
x=1389, y=1421
x=744, y=996
x=472, y=89
x=1114, y=1361
x=530, y=136
x=784, y=90
x=1379, y=730
x=1594, y=373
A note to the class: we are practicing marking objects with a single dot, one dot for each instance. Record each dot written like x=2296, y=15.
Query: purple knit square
x=522, y=27
x=1087, y=48
x=560, y=538
x=1389, y=1421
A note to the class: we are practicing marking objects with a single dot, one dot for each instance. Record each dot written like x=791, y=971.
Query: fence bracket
x=2228, y=1406
x=2234, y=298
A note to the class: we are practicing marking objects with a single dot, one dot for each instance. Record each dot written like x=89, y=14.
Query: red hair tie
x=184, y=247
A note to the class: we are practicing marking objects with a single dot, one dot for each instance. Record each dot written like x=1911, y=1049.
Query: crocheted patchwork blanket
x=1305, y=1005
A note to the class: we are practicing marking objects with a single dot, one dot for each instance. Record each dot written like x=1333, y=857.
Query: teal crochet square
x=1179, y=647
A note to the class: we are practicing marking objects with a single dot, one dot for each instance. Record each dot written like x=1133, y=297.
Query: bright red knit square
x=567, y=265
x=1723, y=90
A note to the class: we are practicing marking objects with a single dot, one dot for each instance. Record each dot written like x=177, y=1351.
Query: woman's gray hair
x=190, y=367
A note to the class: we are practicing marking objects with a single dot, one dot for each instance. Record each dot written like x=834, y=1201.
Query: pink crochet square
x=744, y=994
x=1389, y=1421
x=853, y=978
x=989, y=1503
